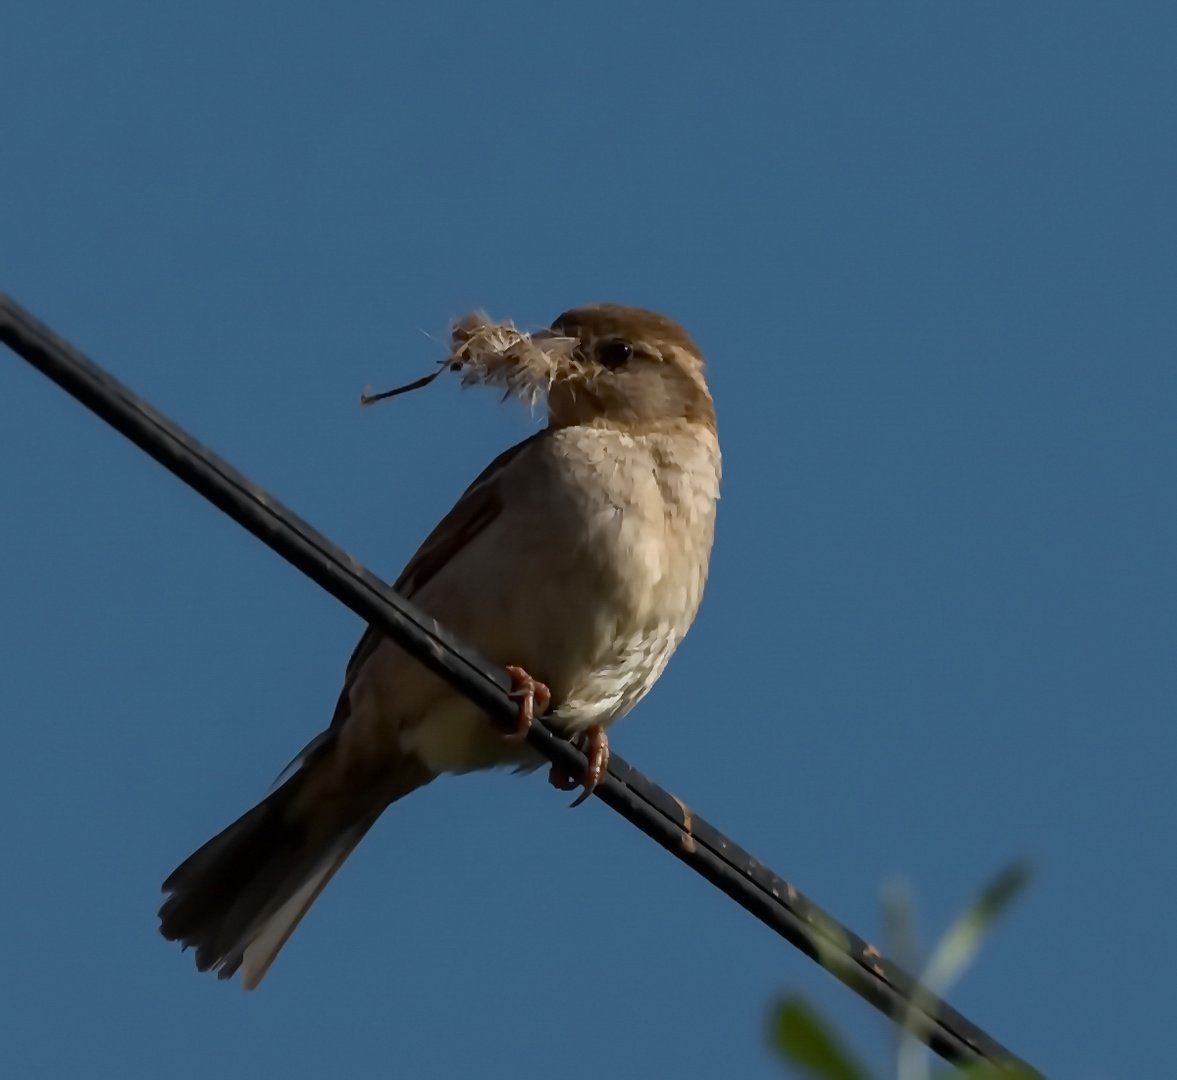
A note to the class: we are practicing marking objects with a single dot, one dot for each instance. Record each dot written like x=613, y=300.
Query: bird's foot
x=533, y=697
x=594, y=743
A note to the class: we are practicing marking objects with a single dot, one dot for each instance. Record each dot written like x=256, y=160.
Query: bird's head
x=604, y=363
x=630, y=367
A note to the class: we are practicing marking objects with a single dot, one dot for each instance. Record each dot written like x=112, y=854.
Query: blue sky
x=931, y=253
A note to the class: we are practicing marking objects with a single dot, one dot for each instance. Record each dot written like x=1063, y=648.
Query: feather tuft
x=524, y=365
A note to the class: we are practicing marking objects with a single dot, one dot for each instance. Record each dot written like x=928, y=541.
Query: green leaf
x=900, y=941
x=959, y=946
x=952, y=955
x=807, y=1043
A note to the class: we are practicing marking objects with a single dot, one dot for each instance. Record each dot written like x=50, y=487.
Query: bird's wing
x=477, y=507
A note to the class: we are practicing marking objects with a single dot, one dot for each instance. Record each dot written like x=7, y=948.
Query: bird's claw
x=533, y=697
x=595, y=745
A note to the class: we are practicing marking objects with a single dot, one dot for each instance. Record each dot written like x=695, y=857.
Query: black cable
x=640, y=801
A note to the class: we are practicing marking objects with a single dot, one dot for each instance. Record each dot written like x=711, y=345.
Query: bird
x=576, y=560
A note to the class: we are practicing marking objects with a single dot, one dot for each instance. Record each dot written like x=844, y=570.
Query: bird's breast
x=588, y=579
x=642, y=542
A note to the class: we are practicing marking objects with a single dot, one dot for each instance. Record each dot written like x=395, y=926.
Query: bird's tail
x=237, y=899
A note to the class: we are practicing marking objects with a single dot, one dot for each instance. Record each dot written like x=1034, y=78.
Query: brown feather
x=478, y=506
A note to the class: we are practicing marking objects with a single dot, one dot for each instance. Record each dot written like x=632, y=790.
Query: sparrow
x=577, y=560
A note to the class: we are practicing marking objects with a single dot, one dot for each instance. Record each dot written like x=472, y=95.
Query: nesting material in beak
x=496, y=354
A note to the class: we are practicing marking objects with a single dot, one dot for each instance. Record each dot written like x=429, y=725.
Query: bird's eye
x=614, y=354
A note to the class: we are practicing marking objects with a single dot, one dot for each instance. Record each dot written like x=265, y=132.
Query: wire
x=639, y=800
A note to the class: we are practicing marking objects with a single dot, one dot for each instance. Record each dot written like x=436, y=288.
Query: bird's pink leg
x=533, y=697
x=595, y=744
